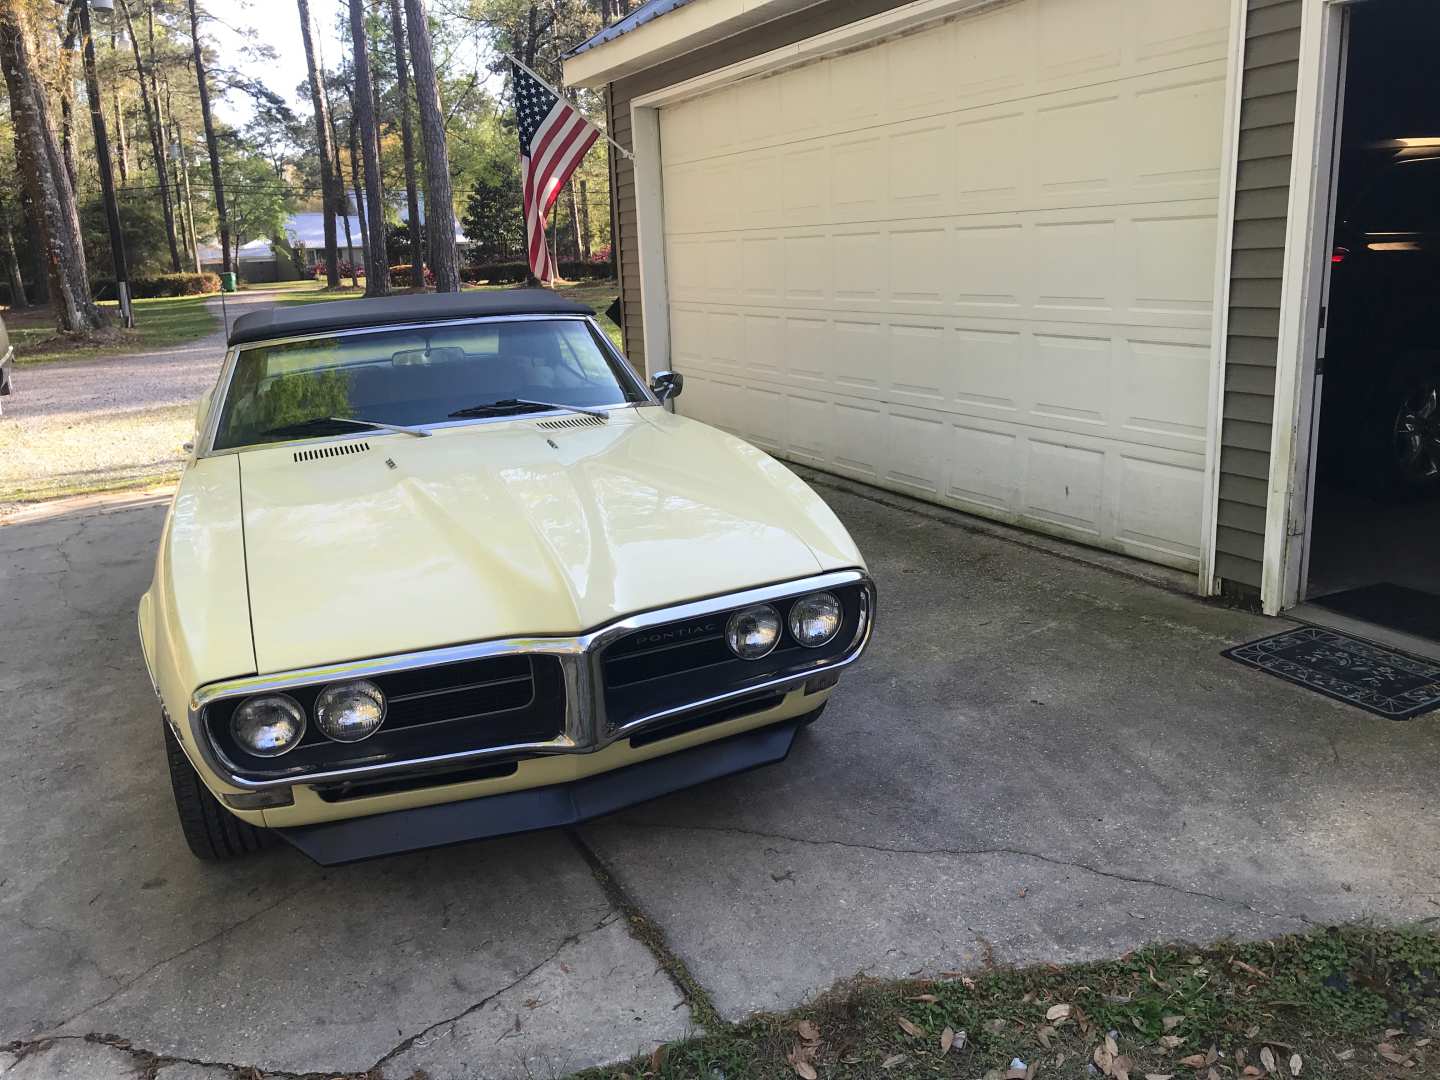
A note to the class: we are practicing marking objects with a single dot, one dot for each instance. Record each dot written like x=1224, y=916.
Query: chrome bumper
x=586, y=726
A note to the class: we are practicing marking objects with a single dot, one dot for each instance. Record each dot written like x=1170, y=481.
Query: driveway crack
x=125, y=984
x=565, y=943
x=979, y=852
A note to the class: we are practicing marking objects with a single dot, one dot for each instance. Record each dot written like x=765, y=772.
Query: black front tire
x=212, y=832
x=813, y=715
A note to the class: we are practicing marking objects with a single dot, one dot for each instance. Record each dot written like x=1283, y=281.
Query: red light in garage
x=1338, y=255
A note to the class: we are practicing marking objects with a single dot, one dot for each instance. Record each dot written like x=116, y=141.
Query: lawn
x=159, y=323
x=1334, y=1003
x=595, y=294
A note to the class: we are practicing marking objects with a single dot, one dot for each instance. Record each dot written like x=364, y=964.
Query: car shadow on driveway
x=1038, y=760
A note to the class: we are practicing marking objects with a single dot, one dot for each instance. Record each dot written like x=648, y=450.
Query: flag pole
x=604, y=135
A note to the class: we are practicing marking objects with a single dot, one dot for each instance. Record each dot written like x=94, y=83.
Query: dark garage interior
x=1374, y=555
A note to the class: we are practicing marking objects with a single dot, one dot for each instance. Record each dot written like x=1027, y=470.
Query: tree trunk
x=360, y=207
x=157, y=140
x=67, y=117
x=342, y=202
x=41, y=165
x=584, y=220
x=211, y=143
x=329, y=180
x=439, y=199
x=377, y=268
x=407, y=142
x=18, y=299
x=123, y=144
x=37, y=248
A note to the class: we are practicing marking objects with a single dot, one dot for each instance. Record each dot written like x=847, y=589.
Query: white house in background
x=255, y=261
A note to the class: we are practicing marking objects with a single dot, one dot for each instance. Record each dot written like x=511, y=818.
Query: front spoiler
x=353, y=839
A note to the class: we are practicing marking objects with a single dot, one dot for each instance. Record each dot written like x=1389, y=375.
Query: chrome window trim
x=206, y=440
x=585, y=730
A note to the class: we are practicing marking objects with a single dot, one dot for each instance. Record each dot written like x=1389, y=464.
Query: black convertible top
x=283, y=322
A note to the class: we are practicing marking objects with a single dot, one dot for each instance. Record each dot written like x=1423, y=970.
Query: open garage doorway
x=1374, y=554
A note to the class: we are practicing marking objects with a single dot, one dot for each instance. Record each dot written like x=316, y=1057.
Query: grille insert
x=578, y=421
x=334, y=450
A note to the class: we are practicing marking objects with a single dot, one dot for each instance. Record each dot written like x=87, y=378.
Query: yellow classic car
x=444, y=567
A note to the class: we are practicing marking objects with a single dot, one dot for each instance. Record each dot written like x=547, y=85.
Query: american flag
x=553, y=139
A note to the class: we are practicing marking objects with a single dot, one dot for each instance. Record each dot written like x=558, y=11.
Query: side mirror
x=667, y=384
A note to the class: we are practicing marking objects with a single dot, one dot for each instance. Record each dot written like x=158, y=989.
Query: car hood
x=512, y=529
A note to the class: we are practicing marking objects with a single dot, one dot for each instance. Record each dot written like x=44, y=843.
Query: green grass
x=159, y=324
x=596, y=294
x=1340, y=999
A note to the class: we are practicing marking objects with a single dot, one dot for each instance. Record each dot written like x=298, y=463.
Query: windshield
x=417, y=376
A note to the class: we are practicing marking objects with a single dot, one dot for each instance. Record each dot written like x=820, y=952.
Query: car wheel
x=212, y=832
x=1413, y=407
x=813, y=715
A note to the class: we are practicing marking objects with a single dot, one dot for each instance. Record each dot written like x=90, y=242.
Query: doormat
x=1360, y=673
x=1387, y=604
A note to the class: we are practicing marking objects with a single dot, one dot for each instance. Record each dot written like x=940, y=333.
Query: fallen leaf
x=947, y=1040
x=1389, y=1053
x=1057, y=1012
x=1120, y=1068
x=1422, y=1042
x=1240, y=965
x=657, y=1058
x=1111, y=1046
x=997, y=1025
x=1345, y=1055
x=1170, y=1042
x=805, y=1070
x=1267, y=1060
x=907, y=1027
x=1252, y=1031
x=928, y=999
x=1159, y=1076
x=1390, y=1033
x=1296, y=1064
x=1251, y=1070
x=1043, y=1033
x=1102, y=1059
x=892, y=1061
x=1017, y=1073
x=1213, y=1075
x=808, y=1031
x=1172, y=1022
x=1194, y=1061
x=1212, y=1056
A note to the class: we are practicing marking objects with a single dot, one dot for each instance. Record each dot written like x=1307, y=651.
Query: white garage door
x=973, y=263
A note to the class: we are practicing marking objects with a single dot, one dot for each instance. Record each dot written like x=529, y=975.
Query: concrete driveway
x=1039, y=759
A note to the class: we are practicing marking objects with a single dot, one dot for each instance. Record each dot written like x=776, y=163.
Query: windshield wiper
x=320, y=424
x=509, y=404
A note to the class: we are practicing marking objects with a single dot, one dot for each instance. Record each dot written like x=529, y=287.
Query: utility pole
x=102, y=159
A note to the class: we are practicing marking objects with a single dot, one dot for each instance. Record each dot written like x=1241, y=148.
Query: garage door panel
x=972, y=263
x=1066, y=484
x=1071, y=377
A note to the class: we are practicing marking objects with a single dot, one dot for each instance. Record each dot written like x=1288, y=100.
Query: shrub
x=400, y=276
x=318, y=270
x=515, y=273
x=148, y=286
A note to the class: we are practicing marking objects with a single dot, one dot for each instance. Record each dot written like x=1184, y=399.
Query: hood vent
x=576, y=421
x=333, y=450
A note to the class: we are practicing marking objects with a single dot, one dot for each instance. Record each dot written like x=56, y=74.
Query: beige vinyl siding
x=732, y=50
x=1267, y=130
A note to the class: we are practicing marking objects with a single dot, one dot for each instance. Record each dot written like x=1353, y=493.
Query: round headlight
x=753, y=632
x=815, y=620
x=351, y=711
x=269, y=725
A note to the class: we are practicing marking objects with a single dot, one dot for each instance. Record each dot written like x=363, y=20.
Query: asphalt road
x=1038, y=760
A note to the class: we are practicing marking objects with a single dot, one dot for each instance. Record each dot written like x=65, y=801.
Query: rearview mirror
x=667, y=384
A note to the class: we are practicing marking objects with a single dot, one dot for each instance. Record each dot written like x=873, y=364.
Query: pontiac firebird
x=444, y=567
